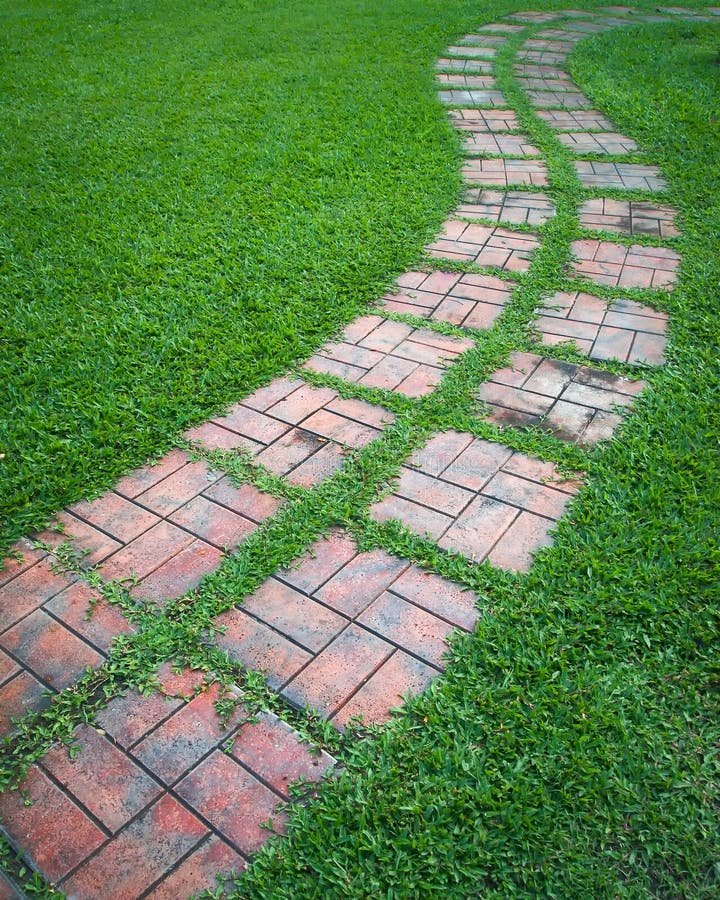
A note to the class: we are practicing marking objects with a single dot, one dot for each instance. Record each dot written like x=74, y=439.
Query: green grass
x=571, y=748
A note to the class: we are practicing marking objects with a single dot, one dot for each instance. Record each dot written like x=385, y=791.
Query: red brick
x=479, y=528
x=19, y=696
x=319, y=466
x=102, y=778
x=214, y=523
x=477, y=464
x=275, y=753
x=551, y=377
x=440, y=451
x=338, y=671
x=601, y=428
x=52, y=652
x=290, y=450
x=141, y=854
x=22, y=558
x=595, y=397
x=302, y=402
x=516, y=399
x=119, y=517
x=8, y=667
x=252, y=424
x=180, y=574
x=648, y=349
x=399, y=676
x=363, y=579
x=83, y=609
x=321, y=562
x=256, y=646
x=175, y=490
x=51, y=830
x=328, y=366
x=439, y=495
x=361, y=411
x=338, y=428
x=521, y=366
x=420, y=382
x=387, y=336
x=515, y=549
x=146, y=553
x=29, y=590
x=388, y=373
x=215, y=437
x=233, y=801
x=246, y=500
x=568, y=420
x=537, y=470
x=141, y=480
x=184, y=738
x=417, y=518
x=537, y=498
x=265, y=397
x=293, y=614
x=127, y=719
x=439, y=596
x=413, y=629
x=90, y=544
x=197, y=873
x=612, y=343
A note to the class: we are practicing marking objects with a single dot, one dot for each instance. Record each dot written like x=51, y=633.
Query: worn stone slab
x=629, y=217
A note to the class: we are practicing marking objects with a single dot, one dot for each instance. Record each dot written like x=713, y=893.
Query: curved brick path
x=161, y=795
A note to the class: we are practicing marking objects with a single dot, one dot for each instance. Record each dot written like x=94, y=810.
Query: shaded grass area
x=571, y=749
x=194, y=196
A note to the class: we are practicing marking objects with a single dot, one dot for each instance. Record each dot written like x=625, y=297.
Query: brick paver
x=629, y=217
x=371, y=627
x=378, y=353
x=468, y=82
x=622, y=329
x=559, y=99
x=512, y=207
x=505, y=172
x=581, y=120
x=576, y=403
x=484, y=40
x=479, y=499
x=620, y=175
x=471, y=52
x=484, y=120
x=542, y=57
x=507, y=144
x=478, y=97
x=102, y=822
x=485, y=245
x=597, y=142
x=445, y=64
x=558, y=81
x=473, y=301
x=605, y=262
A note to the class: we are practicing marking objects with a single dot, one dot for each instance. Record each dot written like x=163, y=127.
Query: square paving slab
x=479, y=499
x=621, y=329
x=379, y=353
x=576, y=403
x=485, y=245
x=629, y=217
x=473, y=301
x=347, y=633
x=605, y=262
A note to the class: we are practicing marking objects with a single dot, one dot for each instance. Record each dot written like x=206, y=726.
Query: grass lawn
x=187, y=214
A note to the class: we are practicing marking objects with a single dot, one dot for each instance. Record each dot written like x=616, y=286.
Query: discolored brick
x=22, y=694
x=85, y=611
x=197, y=873
x=29, y=590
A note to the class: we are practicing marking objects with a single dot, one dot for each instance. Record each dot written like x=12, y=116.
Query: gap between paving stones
x=459, y=382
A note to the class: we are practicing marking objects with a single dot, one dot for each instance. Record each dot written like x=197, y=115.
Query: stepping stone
x=559, y=99
x=503, y=144
x=552, y=84
x=472, y=301
x=621, y=329
x=530, y=70
x=597, y=142
x=566, y=120
x=484, y=120
x=472, y=52
x=542, y=57
x=479, y=499
x=348, y=633
x=605, y=262
x=466, y=81
x=485, y=245
x=592, y=27
x=483, y=40
x=117, y=810
x=620, y=175
x=505, y=172
x=534, y=18
x=629, y=217
x=553, y=46
x=561, y=34
x=499, y=27
x=464, y=65
x=477, y=97
x=513, y=207
x=378, y=353
x=576, y=403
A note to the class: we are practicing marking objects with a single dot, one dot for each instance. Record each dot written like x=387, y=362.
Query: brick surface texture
x=485, y=245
